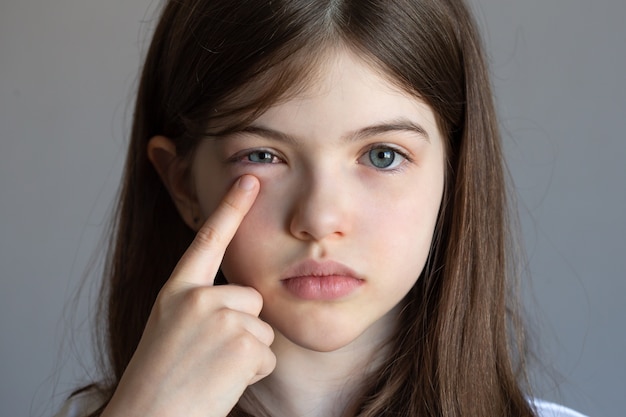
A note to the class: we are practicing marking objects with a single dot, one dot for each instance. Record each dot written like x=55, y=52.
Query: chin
x=328, y=329
x=322, y=346
x=321, y=340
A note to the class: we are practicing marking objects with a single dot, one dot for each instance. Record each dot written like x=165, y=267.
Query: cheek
x=254, y=245
x=212, y=182
x=268, y=211
x=402, y=220
x=404, y=230
x=415, y=200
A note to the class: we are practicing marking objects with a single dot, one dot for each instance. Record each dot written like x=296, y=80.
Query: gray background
x=67, y=72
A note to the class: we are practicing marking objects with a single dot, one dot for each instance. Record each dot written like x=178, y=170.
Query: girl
x=339, y=165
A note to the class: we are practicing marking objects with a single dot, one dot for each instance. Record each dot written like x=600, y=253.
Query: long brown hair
x=214, y=65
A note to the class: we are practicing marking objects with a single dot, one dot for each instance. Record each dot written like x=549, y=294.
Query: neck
x=307, y=383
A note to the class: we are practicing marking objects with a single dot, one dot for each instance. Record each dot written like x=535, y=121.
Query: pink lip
x=311, y=280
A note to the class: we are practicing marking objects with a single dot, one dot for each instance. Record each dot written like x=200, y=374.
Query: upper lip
x=310, y=267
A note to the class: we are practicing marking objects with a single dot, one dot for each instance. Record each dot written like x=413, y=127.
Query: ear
x=174, y=171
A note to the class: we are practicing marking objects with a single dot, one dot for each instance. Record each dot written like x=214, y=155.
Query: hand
x=202, y=345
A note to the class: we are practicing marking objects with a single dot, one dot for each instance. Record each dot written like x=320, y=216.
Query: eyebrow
x=395, y=125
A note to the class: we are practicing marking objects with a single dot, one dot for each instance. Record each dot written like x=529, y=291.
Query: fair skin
x=346, y=182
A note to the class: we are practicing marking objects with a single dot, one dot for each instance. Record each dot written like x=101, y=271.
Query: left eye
x=383, y=157
x=262, y=157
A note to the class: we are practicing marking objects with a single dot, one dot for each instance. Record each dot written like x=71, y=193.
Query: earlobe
x=173, y=171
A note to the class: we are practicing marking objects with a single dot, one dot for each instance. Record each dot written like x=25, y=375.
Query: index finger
x=201, y=261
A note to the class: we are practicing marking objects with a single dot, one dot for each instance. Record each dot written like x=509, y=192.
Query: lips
x=329, y=280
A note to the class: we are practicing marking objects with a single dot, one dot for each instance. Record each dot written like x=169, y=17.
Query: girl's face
x=352, y=175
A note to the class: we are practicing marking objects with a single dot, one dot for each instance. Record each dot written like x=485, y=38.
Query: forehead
x=345, y=94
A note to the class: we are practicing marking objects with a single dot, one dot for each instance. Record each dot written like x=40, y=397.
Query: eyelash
x=244, y=156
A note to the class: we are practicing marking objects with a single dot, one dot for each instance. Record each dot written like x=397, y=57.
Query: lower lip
x=322, y=288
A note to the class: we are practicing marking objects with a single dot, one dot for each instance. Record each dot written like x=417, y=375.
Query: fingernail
x=246, y=182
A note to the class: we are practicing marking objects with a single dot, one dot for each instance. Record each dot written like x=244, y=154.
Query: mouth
x=312, y=280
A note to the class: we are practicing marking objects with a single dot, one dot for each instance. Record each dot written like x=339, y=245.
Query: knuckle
x=191, y=304
x=244, y=345
x=208, y=236
x=229, y=206
x=196, y=301
x=269, y=333
x=254, y=299
x=225, y=319
x=270, y=362
x=234, y=209
x=265, y=366
x=166, y=298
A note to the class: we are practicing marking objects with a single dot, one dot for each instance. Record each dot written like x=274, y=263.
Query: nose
x=322, y=210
